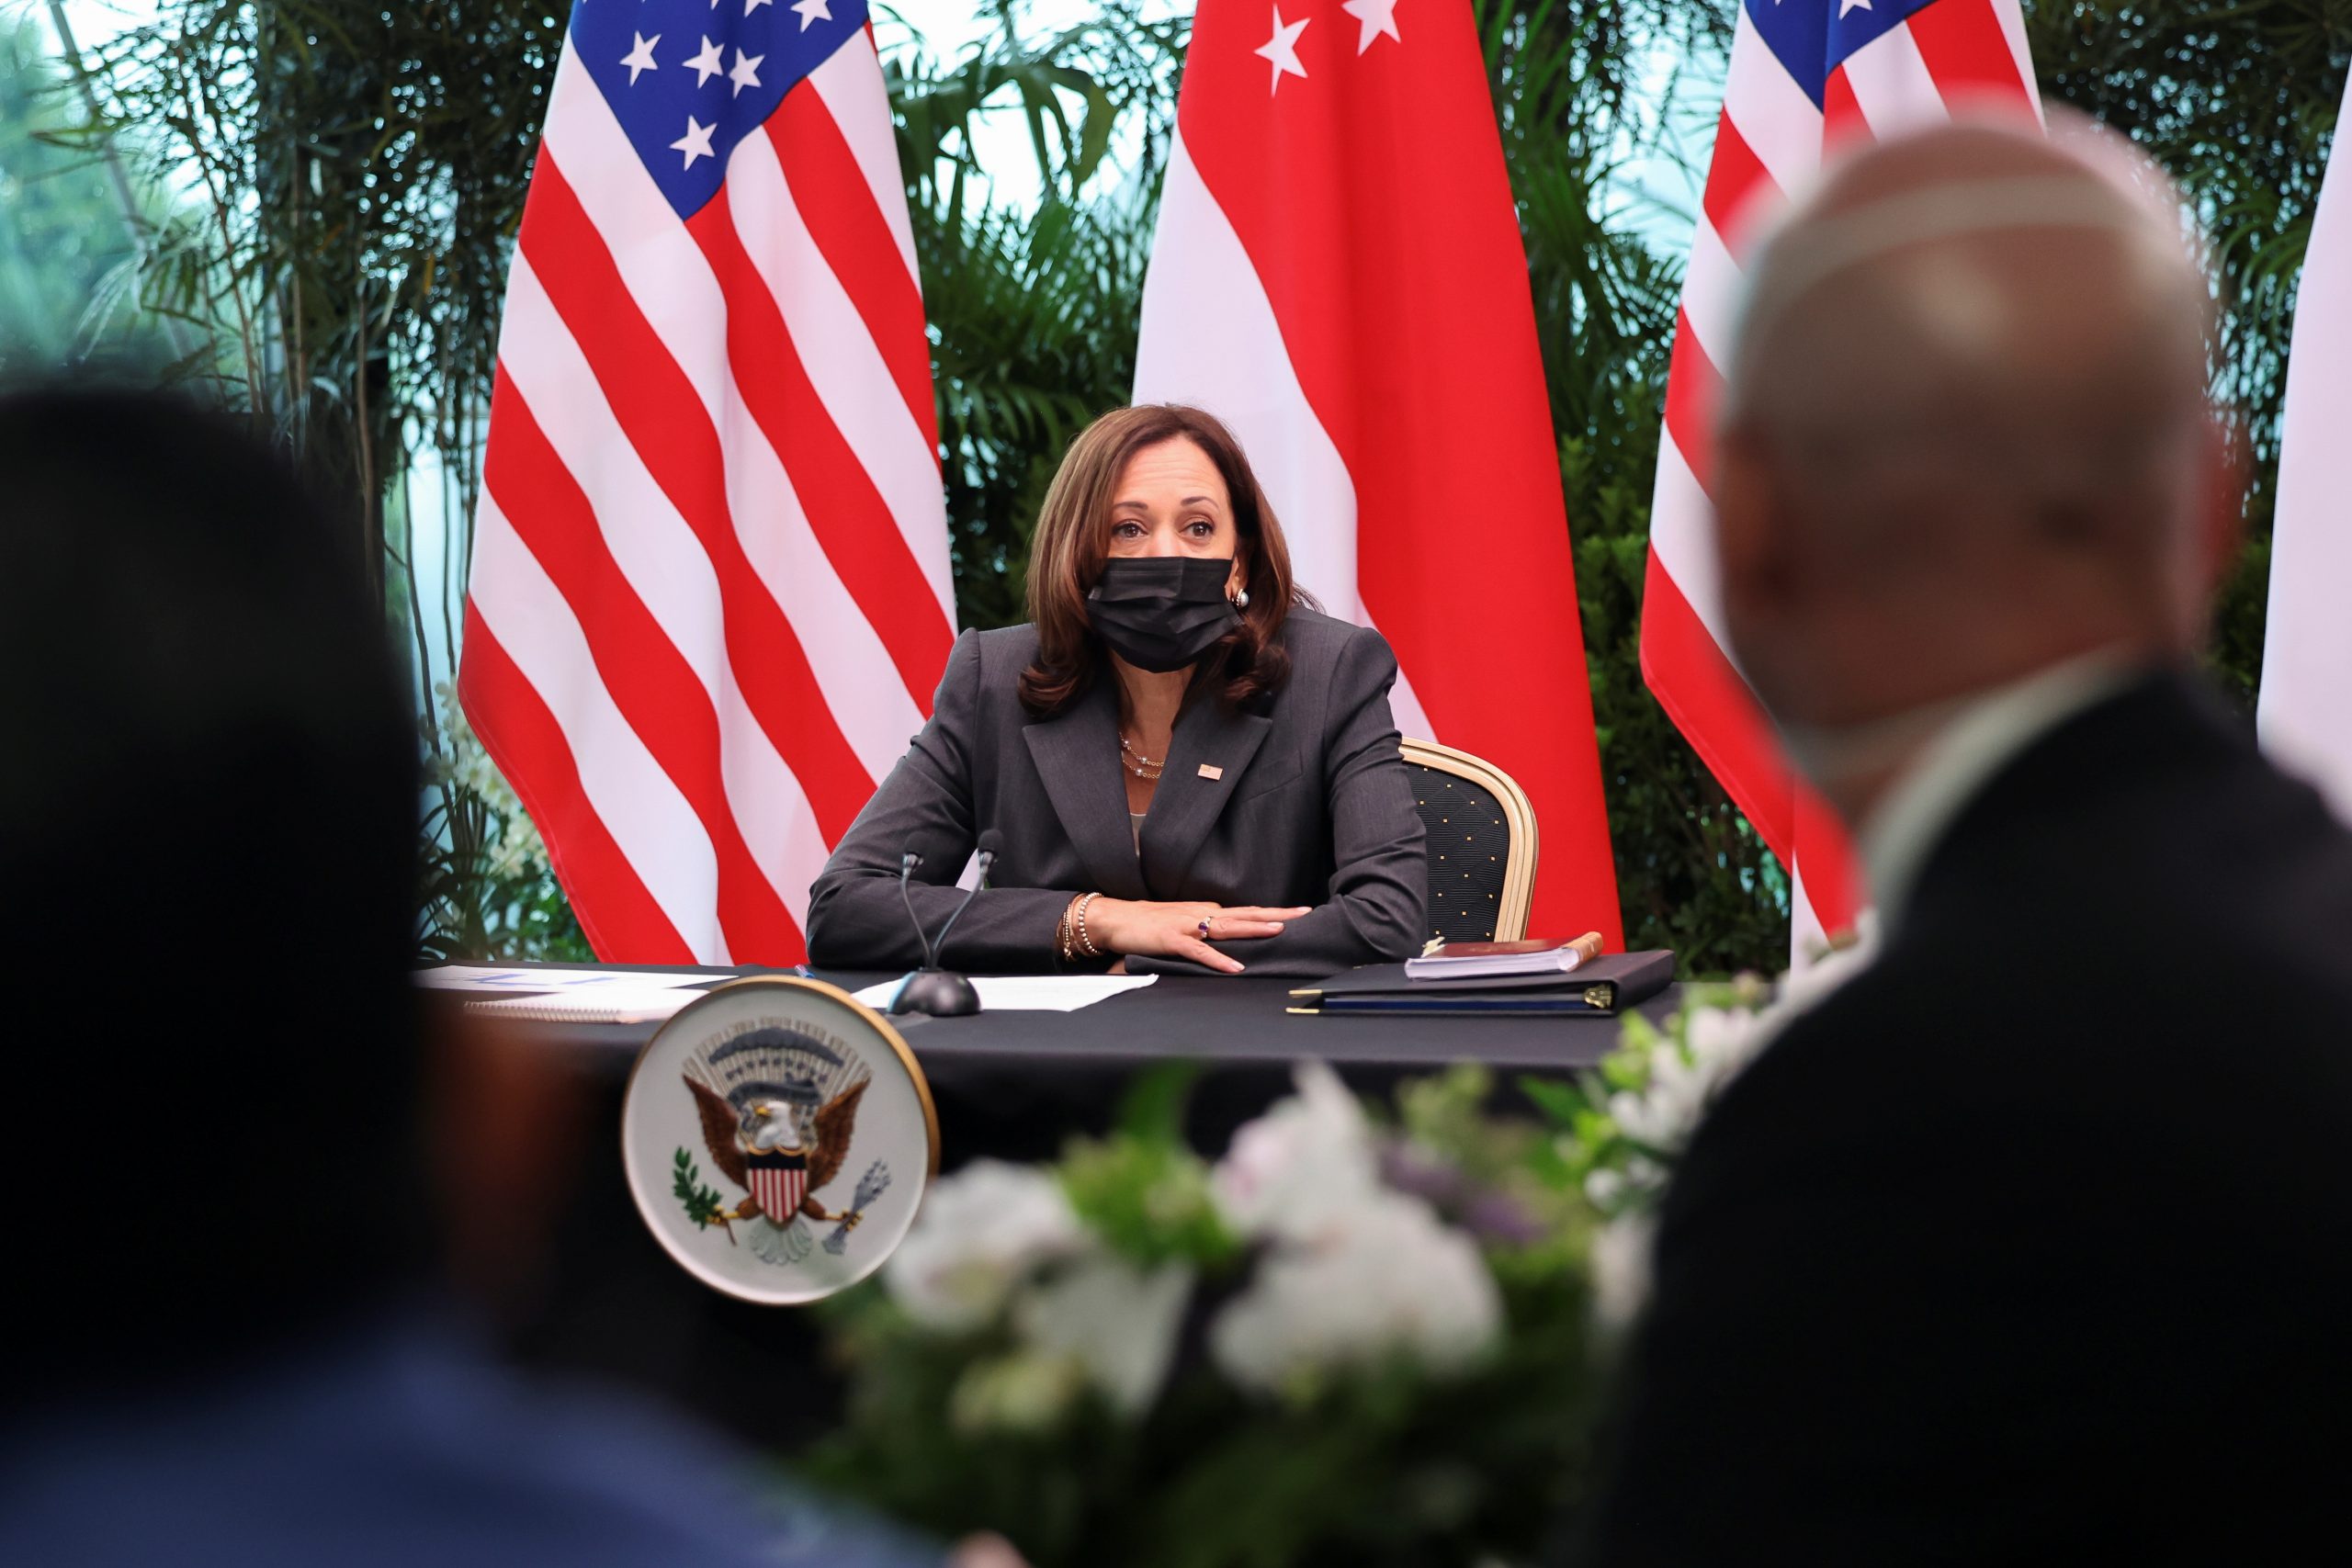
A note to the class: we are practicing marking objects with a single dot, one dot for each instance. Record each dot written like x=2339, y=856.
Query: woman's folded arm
x=857, y=918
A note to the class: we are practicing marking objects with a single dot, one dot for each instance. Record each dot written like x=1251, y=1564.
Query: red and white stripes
x=1948, y=57
x=710, y=596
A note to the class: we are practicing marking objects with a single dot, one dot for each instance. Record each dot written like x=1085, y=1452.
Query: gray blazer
x=1313, y=807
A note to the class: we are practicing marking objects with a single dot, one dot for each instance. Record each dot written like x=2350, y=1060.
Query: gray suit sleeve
x=855, y=918
x=1379, y=894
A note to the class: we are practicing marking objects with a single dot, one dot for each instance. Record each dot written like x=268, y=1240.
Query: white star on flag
x=1846, y=6
x=746, y=72
x=1374, y=17
x=640, y=59
x=707, y=64
x=752, y=5
x=695, y=143
x=812, y=11
x=1283, y=49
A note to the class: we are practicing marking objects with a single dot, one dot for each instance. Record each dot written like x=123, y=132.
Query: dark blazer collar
x=1077, y=755
x=1188, y=802
x=2167, y=725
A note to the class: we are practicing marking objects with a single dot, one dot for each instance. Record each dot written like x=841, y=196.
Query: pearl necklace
x=1138, y=764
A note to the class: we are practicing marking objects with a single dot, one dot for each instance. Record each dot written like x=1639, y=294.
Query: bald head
x=1966, y=434
x=1966, y=273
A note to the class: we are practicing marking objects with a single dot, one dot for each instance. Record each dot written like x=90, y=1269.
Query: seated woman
x=1190, y=771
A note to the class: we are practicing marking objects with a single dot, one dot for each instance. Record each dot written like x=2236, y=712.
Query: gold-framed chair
x=1482, y=843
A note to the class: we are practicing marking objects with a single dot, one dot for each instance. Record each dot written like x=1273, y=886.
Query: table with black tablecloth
x=1011, y=1085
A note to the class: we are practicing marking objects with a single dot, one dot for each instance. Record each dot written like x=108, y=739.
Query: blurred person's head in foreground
x=230, y=1346
x=206, y=839
x=1965, y=440
x=2021, y=1239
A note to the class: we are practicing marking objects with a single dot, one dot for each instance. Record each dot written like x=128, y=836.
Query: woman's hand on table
x=1173, y=930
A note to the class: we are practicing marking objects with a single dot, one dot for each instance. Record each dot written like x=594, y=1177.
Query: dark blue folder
x=1609, y=984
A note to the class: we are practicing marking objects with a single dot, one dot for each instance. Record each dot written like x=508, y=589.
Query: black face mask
x=1161, y=613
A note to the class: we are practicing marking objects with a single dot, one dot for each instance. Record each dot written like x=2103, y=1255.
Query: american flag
x=1338, y=274
x=709, y=596
x=1806, y=79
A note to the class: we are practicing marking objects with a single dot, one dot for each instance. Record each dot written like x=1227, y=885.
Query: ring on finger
x=1205, y=923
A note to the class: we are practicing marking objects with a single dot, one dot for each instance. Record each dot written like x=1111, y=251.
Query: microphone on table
x=907, y=864
x=940, y=993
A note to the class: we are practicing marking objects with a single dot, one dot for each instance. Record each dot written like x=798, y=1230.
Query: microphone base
x=935, y=993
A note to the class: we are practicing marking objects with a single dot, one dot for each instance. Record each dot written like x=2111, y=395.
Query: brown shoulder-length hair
x=1072, y=539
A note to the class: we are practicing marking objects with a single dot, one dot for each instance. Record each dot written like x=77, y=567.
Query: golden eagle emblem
x=778, y=1112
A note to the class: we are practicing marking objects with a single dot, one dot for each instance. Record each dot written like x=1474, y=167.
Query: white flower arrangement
x=1000, y=1242
x=1386, y=1280
x=1620, y=1268
x=1354, y=1272
x=1348, y=1273
x=1113, y=1321
x=1295, y=1171
x=982, y=1232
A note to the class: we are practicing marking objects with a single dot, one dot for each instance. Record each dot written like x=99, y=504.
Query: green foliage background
x=328, y=189
x=69, y=254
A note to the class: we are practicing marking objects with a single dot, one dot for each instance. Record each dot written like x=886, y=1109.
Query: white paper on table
x=1029, y=993
x=485, y=978
x=610, y=1004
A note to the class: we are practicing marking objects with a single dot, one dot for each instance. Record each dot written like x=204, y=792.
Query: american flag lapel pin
x=1209, y=771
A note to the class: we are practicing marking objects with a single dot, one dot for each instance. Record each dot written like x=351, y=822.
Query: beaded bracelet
x=1085, y=942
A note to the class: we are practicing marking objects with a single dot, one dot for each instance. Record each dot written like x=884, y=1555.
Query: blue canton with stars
x=1813, y=38
x=688, y=79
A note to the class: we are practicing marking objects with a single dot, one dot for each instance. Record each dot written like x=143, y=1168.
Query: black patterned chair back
x=1482, y=844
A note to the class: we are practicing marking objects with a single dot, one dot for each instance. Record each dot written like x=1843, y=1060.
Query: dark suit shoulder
x=1318, y=642
x=1006, y=651
x=2139, y=927
x=999, y=656
x=2148, y=849
x=1304, y=627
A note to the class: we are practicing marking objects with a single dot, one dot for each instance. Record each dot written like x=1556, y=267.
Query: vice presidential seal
x=777, y=1136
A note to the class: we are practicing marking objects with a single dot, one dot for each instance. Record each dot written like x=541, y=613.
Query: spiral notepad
x=603, y=1005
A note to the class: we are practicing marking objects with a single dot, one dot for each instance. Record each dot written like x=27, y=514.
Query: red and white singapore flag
x=1338, y=274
